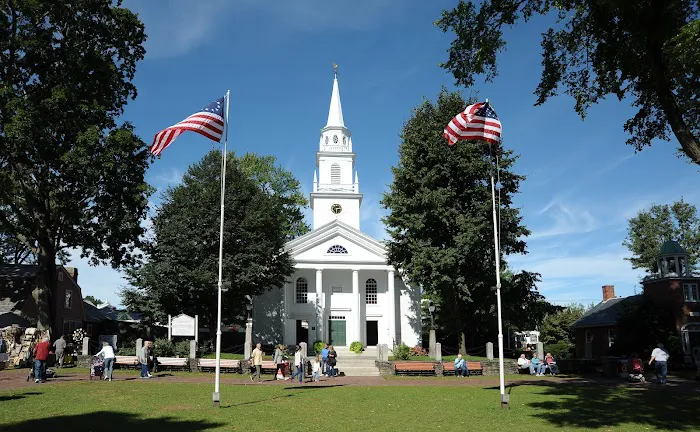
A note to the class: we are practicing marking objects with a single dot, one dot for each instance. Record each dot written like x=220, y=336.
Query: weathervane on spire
x=335, y=69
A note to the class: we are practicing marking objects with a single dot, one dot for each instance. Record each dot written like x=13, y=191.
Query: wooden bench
x=173, y=363
x=414, y=368
x=225, y=365
x=448, y=368
x=268, y=366
x=126, y=362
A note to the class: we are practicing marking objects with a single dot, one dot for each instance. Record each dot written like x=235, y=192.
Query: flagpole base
x=215, y=397
x=505, y=401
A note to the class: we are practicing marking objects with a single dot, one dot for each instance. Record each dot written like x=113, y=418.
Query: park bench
x=126, y=362
x=225, y=365
x=448, y=368
x=414, y=368
x=268, y=366
x=173, y=363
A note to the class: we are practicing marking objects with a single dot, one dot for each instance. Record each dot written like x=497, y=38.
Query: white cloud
x=169, y=177
x=175, y=27
x=565, y=219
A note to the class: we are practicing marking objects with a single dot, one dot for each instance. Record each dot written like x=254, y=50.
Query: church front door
x=337, y=332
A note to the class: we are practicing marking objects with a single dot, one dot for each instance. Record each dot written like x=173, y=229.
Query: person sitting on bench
x=461, y=367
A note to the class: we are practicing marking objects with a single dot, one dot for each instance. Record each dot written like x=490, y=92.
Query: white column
x=392, y=305
x=320, y=310
x=358, y=315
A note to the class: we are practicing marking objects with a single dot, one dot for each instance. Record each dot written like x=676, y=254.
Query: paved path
x=17, y=379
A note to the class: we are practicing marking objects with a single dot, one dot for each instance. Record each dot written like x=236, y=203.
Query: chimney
x=73, y=272
x=608, y=292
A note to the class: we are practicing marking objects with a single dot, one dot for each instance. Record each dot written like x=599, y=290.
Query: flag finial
x=335, y=69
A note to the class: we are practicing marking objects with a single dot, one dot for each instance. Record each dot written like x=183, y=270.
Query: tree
x=181, y=273
x=280, y=184
x=440, y=223
x=93, y=300
x=642, y=324
x=14, y=251
x=556, y=332
x=647, y=49
x=647, y=231
x=70, y=177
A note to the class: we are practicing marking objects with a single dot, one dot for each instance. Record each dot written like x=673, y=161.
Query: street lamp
x=249, y=306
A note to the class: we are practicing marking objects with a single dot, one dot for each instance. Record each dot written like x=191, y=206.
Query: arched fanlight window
x=337, y=249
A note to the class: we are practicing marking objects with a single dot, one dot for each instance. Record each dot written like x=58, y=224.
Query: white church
x=342, y=289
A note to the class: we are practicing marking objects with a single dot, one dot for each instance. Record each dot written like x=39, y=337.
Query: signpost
x=183, y=325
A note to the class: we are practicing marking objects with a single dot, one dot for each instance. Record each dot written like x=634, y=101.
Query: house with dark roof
x=673, y=287
x=18, y=306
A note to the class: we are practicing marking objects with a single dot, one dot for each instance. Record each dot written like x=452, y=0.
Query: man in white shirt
x=524, y=363
x=660, y=356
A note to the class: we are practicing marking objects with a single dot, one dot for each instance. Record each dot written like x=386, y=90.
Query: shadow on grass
x=595, y=406
x=313, y=387
x=18, y=396
x=258, y=401
x=107, y=421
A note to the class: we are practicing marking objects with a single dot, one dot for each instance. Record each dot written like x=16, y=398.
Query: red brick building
x=673, y=287
x=17, y=306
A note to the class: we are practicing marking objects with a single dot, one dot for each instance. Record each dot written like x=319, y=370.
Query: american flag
x=209, y=121
x=478, y=122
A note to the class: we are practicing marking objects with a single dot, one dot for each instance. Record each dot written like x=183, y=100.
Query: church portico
x=342, y=289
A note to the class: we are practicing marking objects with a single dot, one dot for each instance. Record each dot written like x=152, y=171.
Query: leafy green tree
x=556, y=333
x=647, y=231
x=14, y=251
x=644, y=323
x=70, y=176
x=181, y=273
x=280, y=184
x=440, y=222
x=646, y=49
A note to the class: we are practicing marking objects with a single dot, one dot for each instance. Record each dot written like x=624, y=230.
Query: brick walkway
x=17, y=379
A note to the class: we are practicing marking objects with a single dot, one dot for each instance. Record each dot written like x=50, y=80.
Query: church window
x=371, y=291
x=302, y=291
x=335, y=174
x=337, y=249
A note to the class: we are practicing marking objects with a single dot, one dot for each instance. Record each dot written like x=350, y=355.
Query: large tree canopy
x=70, y=177
x=646, y=49
x=647, y=231
x=441, y=229
x=181, y=273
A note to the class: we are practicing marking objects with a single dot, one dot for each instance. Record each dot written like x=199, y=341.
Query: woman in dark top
x=332, y=360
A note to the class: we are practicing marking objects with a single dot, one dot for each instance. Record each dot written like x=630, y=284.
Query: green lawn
x=178, y=407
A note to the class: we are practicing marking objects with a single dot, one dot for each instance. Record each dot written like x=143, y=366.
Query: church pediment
x=337, y=242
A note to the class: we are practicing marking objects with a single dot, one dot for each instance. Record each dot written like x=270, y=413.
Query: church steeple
x=335, y=112
x=335, y=137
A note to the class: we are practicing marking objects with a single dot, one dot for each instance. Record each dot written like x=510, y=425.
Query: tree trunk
x=43, y=292
x=667, y=100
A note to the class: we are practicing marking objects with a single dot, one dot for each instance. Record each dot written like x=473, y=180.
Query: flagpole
x=216, y=396
x=497, y=253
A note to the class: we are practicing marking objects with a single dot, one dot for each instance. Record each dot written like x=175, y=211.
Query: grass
x=179, y=407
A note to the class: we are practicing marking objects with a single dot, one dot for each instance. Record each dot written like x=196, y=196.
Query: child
x=317, y=367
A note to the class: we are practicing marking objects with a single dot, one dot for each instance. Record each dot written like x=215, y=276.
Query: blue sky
x=583, y=181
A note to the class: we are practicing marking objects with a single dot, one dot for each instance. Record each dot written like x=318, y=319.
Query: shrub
x=127, y=350
x=418, y=351
x=318, y=346
x=182, y=348
x=356, y=347
x=560, y=350
x=164, y=348
x=402, y=352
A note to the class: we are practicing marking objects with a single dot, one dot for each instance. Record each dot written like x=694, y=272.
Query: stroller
x=636, y=370
x=97, y=367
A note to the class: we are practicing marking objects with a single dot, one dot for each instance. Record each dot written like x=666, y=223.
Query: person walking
x=107, y=352
x=256, y=359
x=299, y=364
x=660, y=356
x=143, y=360
x=41, y=353
x=278, y=359
x=60, y=346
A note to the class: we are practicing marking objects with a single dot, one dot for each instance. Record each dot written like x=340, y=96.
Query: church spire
x=335, y=112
